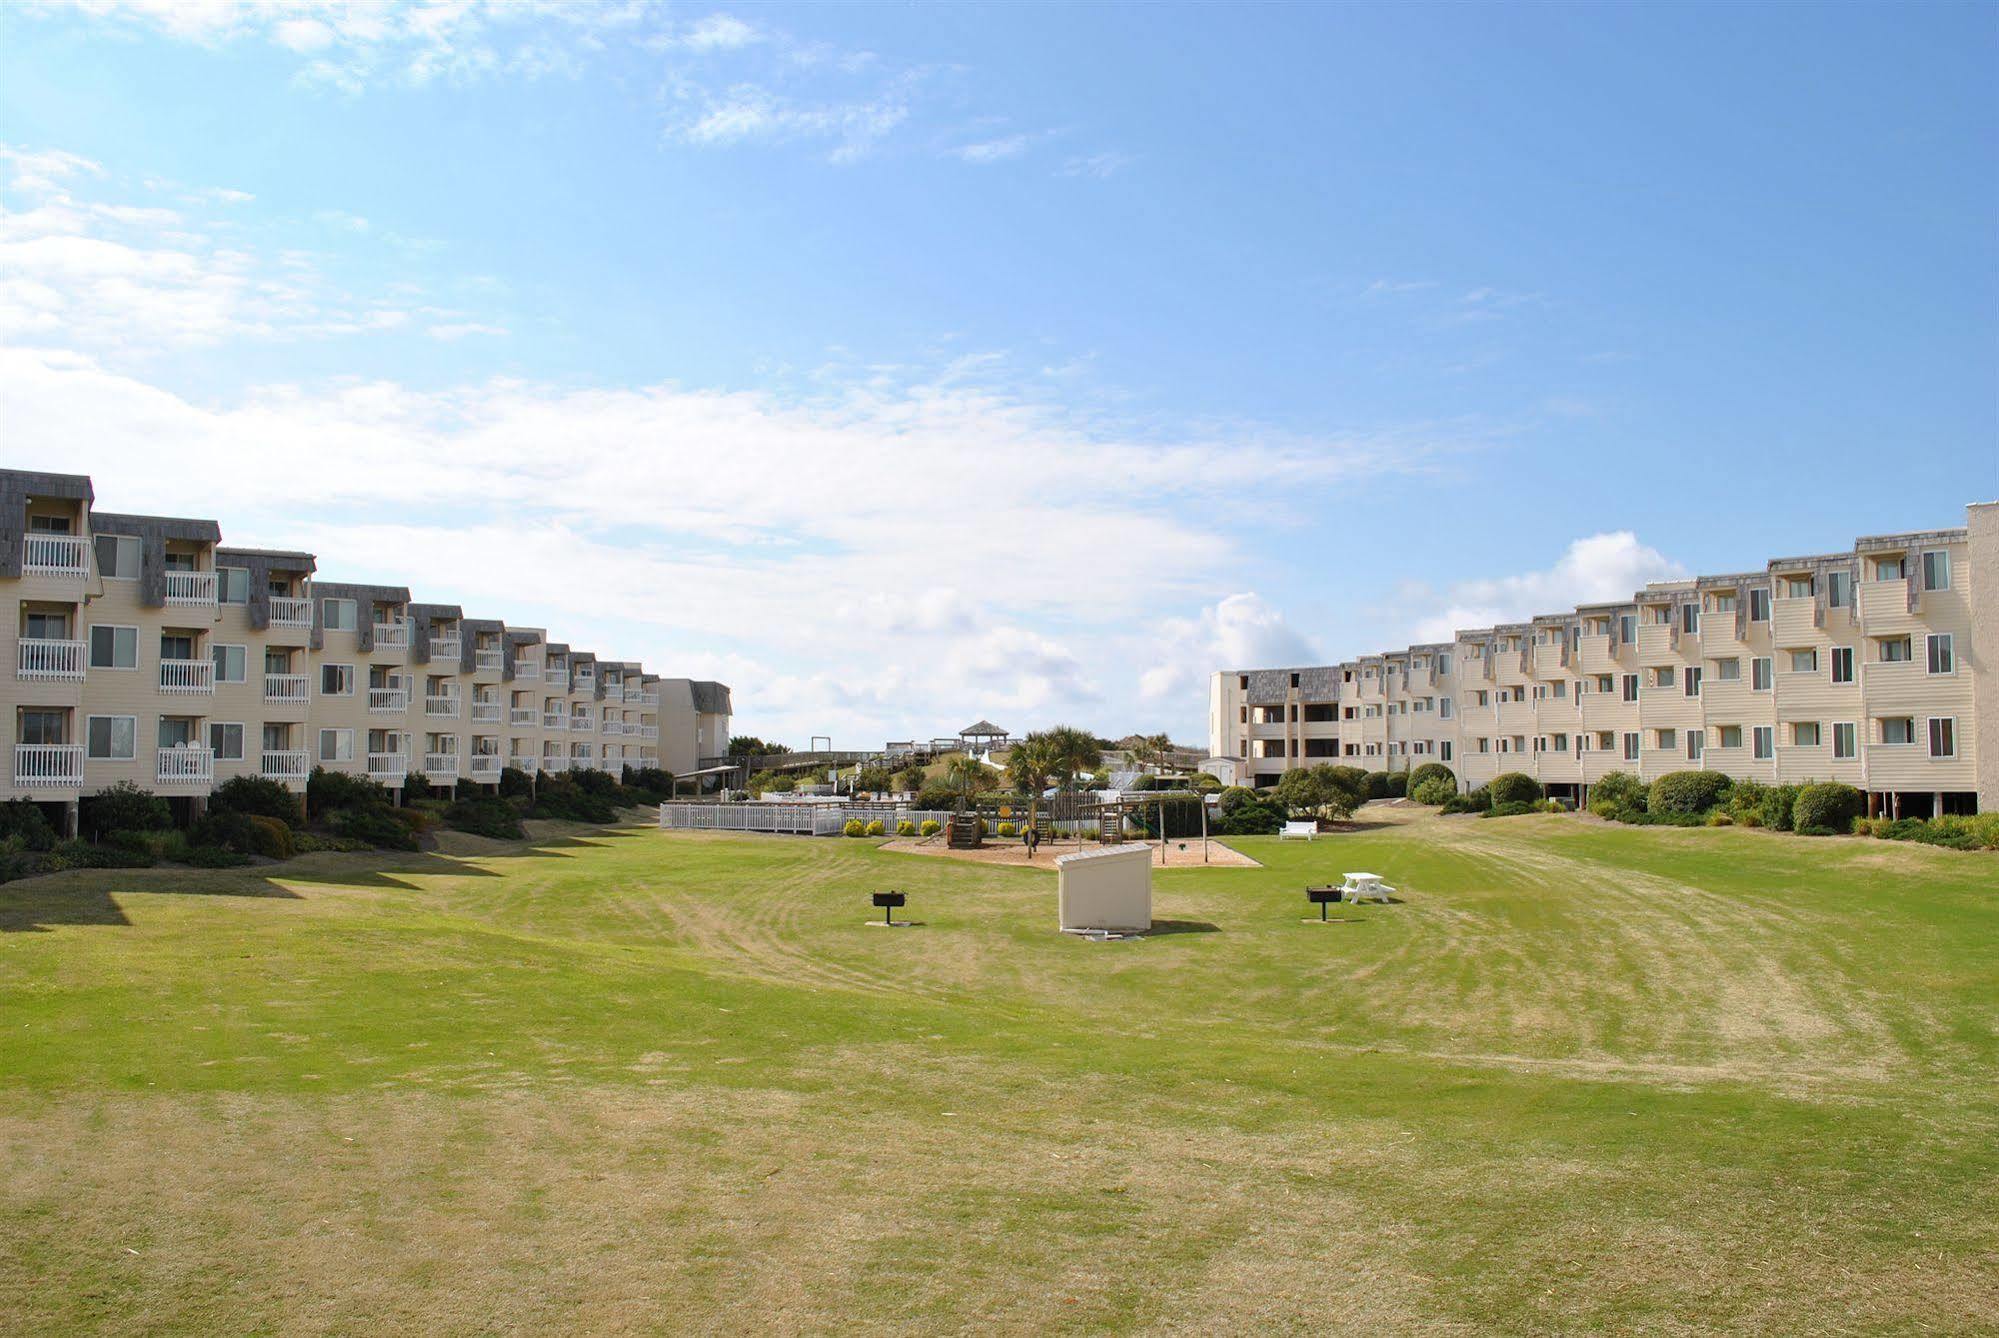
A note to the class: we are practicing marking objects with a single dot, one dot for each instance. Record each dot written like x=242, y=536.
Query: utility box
x=1108, y=889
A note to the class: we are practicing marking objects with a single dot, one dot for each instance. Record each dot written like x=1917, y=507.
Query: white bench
x=1298, y=831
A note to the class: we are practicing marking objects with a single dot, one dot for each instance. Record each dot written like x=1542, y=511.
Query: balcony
x=445, y=648
x=487, y=712
x=388, y=701
x=523, y=715
x=186, y=766
x=527, y=670
x=190, y=587
x=292, y=689
x=613, y=727
x=287, y=611
x=41, y=766
x=524, y=762
x=485, y=766
x=582, y=724
x=290, y=764
x=392, y=636
x=54, y=555
x=445, y=705
x=187, y=676
x=650, y=732
x=441, y=766
x=585, y=683
x=554, y=720
x=649, y=699
x=41, y=659
x=390, y=768
x=487, y=660
x=548, y=764
x=558, y=677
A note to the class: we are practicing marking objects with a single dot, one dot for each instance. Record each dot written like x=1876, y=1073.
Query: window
x=1693, y=680
x=1485, y=745
x=1936, y=570
x=1669, y=739
x=1843, y=741
x=1631, y=687
x=1805, y=734
x=1627, y=628
x=1804, y=661
x=1444, y=750
x=336, y=745
x=1943, y=734
x=1942, y=651
x=176, y=646
x=1695, y=739
x=1728, y=670
x=112, y=738
x=1606, y=683
x=227, y=741
x=114, y=647
x=1842, y=664
x=336, y=680
x=1798, y=587
x=232, y=585
x=1443, y=666
x=175, y=731
x=231, y=662
x=1889, y=569
x=1444, y=707
x=1759, y=606
x=337, y=614
x=1762, y=740
x=1631, y=747
x=1895, y=650
x=1898, y=729
x=45, y=626
x=1839, y=589
x=1759, y=674
x=1728, y=736
x=1664, y=676
x=1723, y=601
x=1559, y=690
x=42, y=725
x=118, y=558
x=1690, y=619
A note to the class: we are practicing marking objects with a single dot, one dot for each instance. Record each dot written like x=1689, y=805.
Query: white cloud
x=721, y=32
x=453, y=331
x=1242, y=631
x=993, y=150
x=1099, y=165
x=1595, y=569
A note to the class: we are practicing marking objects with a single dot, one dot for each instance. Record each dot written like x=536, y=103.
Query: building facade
x=1878, y=666
x=146, y=650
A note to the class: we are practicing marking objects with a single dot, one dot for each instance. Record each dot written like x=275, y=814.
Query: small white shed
x=1108, y=889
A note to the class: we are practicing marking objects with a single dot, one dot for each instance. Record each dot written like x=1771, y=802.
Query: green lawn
x=1583, y=1078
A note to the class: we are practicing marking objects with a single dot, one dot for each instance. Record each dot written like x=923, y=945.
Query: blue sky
x=904, y=364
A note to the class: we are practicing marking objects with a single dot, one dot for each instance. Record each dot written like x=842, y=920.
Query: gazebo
x=982, y=737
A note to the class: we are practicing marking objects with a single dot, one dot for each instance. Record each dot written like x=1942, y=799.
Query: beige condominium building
x=1878, y=666
x=146, y=650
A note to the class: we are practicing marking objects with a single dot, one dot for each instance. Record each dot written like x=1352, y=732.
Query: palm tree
x=1028, y=767
x=1071, y=753
x=968, y=777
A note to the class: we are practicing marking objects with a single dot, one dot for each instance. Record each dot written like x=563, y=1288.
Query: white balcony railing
x=38, y=658
x=290, y=688
x=389, y=701
x=526, y=763
x=445, y=649
x=613, y=727
x=556, y=763
x=444, y=705
x=489, y=712
x=582, y=724
x=186, y=766
x=441, y=764
x=54, y=555
x=585, y=682
x=190, y=587
x=649, y=699
x=522, y=715
x=558, y=677
x=288, y=764
x=647, y=731
x=287, y=611
x=485, y=766
x=184, y=676
x=48, y=766
x=526, y=670
x=554, y=720
x=392, y=636
x=487, y=660
x=388, y=766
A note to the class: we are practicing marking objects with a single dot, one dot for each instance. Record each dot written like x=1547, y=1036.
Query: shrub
x=20, y=862
x=74, y=854
x=381, y=828
x=593, y=782
x=905, y=828
x=877, y=828
x=1430, y=771
x=1512, y=810
x=1745, y=802
x=561, y=799
x=1826, y=808
x=1985, y=829
x=1641, y=818
x=1377, y=785
x=214, y=857
x=1616, y=793
x=327, y=790
x=1514, y=788
x=23, y=818
x=931, y=826
x=855, y=827
x=515, y=784
x=1471, y=801
x=1720, y=818
x=257, y=795
x=1778, y=802
x=305, y=843
x=1688, y=792
x=1398, y=784
x=1007, y=829
x=167, y=845
x=1244, y=812
x=124, y=807
x=1435, y=790
x=244, y=833
x=485, y=817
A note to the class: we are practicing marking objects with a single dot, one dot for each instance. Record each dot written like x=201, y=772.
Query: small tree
x=967, y=779
x=124, y=807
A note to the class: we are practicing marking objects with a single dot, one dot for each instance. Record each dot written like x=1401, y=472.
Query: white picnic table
x=1365, y=887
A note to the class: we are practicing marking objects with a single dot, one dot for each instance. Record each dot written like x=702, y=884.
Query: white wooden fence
x=798, y=819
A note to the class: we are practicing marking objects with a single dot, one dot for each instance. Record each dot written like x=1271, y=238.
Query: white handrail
x=44, y=765
x=54, y=555
x=41, y=658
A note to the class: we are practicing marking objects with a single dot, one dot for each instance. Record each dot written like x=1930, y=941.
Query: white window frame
x=1761, y=666
x=120, y=543
x=1882, y=644
x=1629, y=687
x=1886, y=742
x=222, y=585
x=347, y=670
x=1900, y=564
x=1812, y=651
x=1764, y=596
x=1723, y=665
x=1930, y=736
x=1818, y=734
x=1631, y=746
x=1842, y=653
x=1942, y=563
x=1948, y=641
x=338, y=735
x=330, y=603
x=242, y=739
x=1762, y=743
x=131, y=720
x=218, y=653
x=1690, y=681
x=1852, y=737
x=1721, y=736
x=1834, y=581
x=1696, y=744
x=90, y=647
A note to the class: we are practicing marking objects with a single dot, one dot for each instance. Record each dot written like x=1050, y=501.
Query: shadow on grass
x=88, y=896
x=1160, y=927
